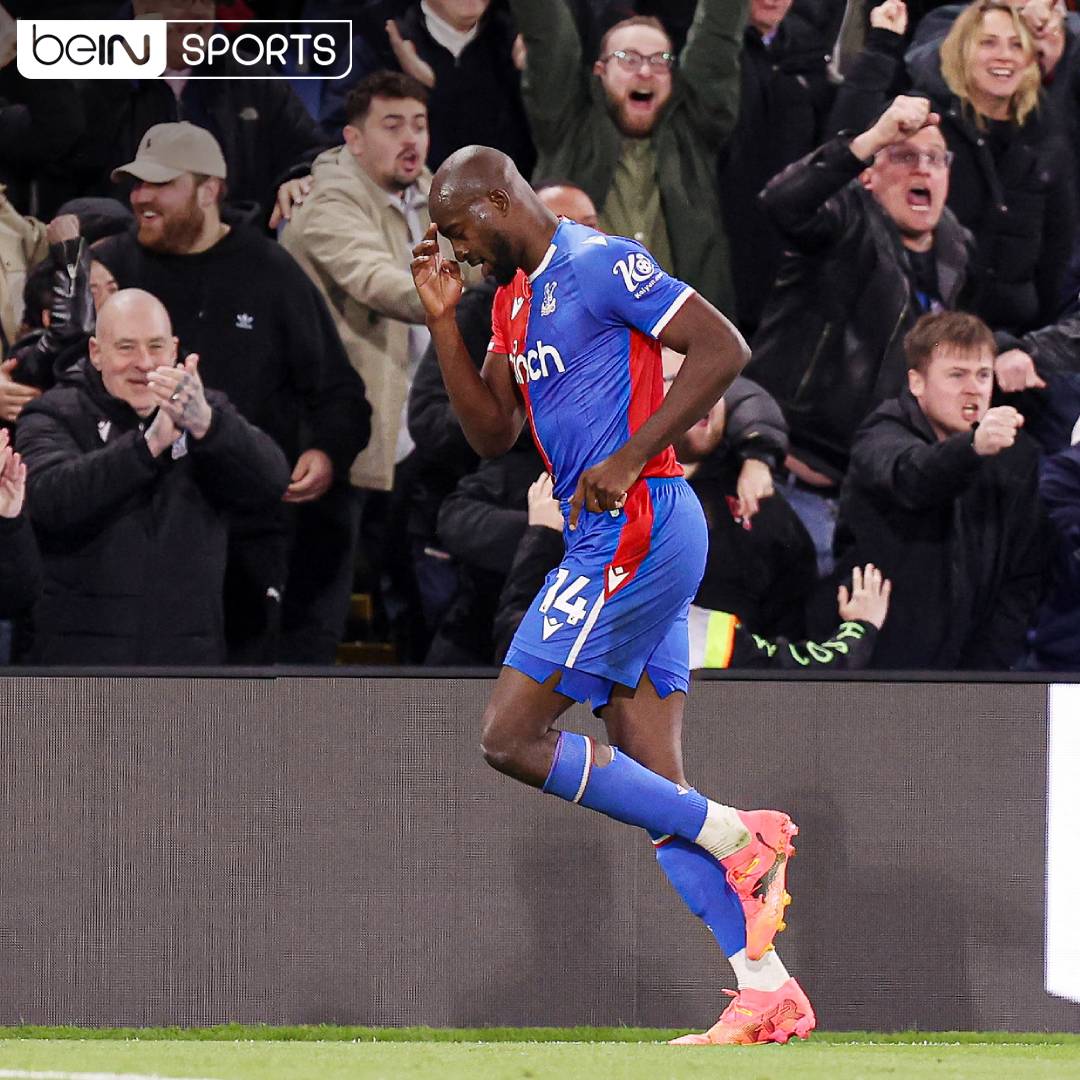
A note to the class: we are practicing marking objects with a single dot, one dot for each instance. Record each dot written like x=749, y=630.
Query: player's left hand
x=604, y=486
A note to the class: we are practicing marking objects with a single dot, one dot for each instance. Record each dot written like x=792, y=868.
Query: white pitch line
x=23, y=1074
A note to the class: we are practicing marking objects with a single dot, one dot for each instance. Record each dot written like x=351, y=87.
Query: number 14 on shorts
x=566, y=602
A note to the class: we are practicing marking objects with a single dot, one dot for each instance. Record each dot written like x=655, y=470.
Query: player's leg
x=770, y=1006
x=519, y=739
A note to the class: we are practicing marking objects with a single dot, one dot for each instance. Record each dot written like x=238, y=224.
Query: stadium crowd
x=223, y=417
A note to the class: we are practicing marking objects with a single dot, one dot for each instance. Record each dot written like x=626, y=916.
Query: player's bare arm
x=715, y=353
x=486, y=403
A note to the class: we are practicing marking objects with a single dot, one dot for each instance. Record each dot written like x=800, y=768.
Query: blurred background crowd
x=225, y=437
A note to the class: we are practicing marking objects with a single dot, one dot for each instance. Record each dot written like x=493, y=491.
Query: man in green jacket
x=639, y=129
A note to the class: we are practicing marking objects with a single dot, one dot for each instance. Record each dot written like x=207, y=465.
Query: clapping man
x=134, y=469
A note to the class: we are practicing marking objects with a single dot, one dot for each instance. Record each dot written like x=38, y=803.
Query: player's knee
x=499, y=748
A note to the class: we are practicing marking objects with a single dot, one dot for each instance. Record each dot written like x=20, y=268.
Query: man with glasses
x=870, y=246
x=639, y=129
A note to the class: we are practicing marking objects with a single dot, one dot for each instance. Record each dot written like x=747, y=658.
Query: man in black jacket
x=941, y=495
x=267, y=340
x=871, y=247
x=133, y=470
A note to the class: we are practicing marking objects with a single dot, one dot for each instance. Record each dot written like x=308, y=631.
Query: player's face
x=954, y=391
x=477, y=242
x=911, y=181
x=391, y=142
x=636, y=94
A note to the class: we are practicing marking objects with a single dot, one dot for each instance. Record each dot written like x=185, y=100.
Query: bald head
x=569, y=201
x=126, y=305
x=133, y=336
x=485, y=208
x=470, y=175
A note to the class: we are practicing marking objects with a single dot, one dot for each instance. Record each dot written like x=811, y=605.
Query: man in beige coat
x=353, y=235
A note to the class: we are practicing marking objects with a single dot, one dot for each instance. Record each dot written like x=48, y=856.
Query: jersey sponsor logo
x=515, y=307
x=634, y=270
x=537, y=363
x=548, y=306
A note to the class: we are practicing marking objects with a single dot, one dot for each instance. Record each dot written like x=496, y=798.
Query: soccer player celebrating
x=577, y=325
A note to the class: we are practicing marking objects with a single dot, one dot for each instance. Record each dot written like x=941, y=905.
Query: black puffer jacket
x=134, y=546
x=830, y=345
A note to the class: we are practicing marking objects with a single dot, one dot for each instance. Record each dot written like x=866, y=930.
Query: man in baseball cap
x=167, y=151
x=179, y=173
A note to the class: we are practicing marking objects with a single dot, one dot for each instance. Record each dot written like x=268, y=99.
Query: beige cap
x=170, y=150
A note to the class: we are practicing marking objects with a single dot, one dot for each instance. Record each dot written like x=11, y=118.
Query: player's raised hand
x=869, y=597
x=604, y=486
x=997, y=430
x=437, y=280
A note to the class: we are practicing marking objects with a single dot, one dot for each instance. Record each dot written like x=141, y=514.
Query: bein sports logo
x=533, y=365
x=139, y=49
x=635, y=270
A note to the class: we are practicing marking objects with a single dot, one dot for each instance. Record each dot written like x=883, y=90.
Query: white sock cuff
x=723, y=832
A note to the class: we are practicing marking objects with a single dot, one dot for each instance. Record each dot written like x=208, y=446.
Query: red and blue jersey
x=580, y=333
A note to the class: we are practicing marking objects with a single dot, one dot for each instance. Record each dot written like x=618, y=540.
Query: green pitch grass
x=325, y=1053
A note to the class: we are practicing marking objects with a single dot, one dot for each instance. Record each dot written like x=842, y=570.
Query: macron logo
x=616, y=575
x=550, y=626
x=244, y=321
x=515, y=307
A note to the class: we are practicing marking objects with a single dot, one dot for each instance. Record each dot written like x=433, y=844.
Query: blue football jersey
x=580, y=334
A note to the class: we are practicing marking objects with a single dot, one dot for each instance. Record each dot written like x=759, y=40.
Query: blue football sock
x=701, y=882
x=623, y=789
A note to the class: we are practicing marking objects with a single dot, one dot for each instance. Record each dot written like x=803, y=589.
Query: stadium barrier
x=199, y=850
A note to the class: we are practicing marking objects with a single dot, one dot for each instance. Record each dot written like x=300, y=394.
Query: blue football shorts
x=617, y=604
